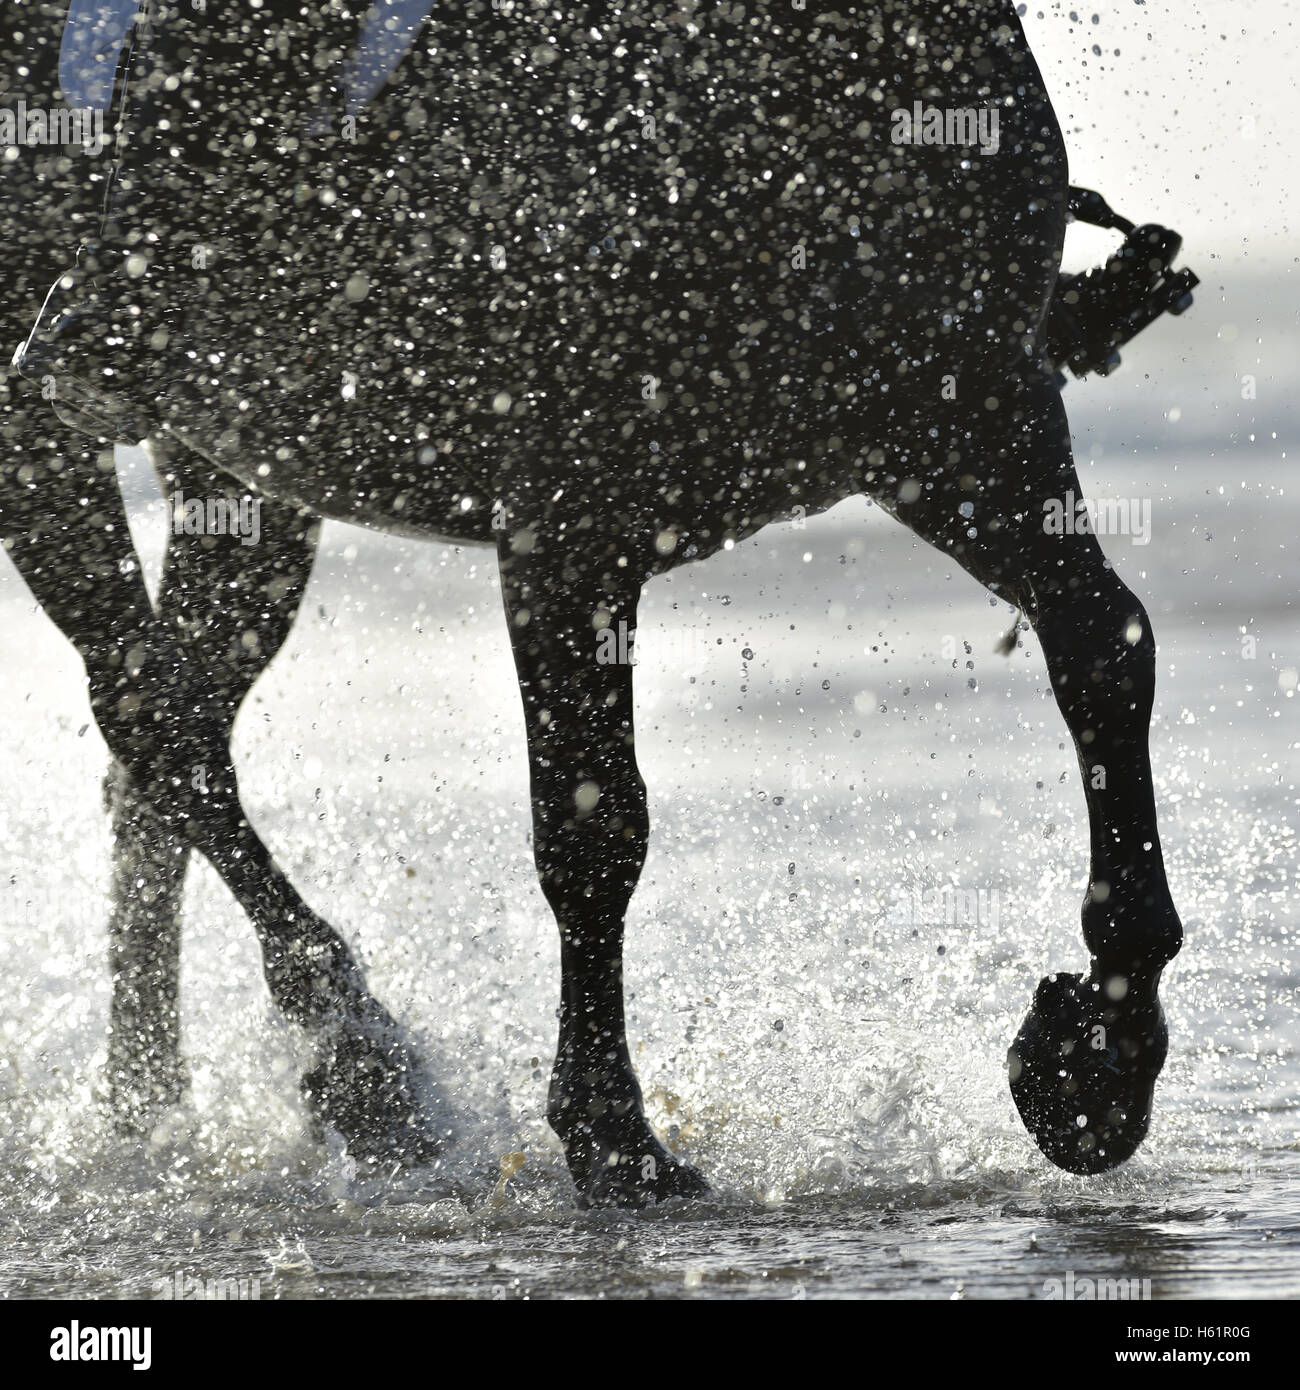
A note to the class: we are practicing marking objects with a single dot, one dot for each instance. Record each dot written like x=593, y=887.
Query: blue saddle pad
x=96, y=32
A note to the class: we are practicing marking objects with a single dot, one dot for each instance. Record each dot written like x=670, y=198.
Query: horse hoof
x=368, y=1092
x=626, y=1166
x=1083, y=1069
x=634, y=1182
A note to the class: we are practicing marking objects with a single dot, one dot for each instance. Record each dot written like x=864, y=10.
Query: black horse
x=609, y=290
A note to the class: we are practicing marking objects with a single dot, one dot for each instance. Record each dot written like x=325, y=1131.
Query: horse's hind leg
x=63, y=524
x=232, y=605
x=1084, y=1065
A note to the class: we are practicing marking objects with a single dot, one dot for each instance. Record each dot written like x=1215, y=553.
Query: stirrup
x=1094, y=314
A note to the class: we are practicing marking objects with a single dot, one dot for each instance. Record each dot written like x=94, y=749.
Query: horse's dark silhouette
x=608, y=289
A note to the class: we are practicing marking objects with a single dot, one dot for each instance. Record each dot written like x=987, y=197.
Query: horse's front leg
x=64, y=526
x=590, y=830
x=232, y=604
x=1084, y=1064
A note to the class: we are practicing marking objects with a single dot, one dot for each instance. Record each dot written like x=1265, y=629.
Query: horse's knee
x=162, y=726
x=590, y=845
x=1098, y=644
x=232, y=605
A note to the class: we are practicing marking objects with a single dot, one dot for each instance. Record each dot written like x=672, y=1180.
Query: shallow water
x=828, y=1052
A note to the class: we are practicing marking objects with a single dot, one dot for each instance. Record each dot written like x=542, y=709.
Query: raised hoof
x=626, y=1166
x=1083, y=1070
x=368, y=1092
